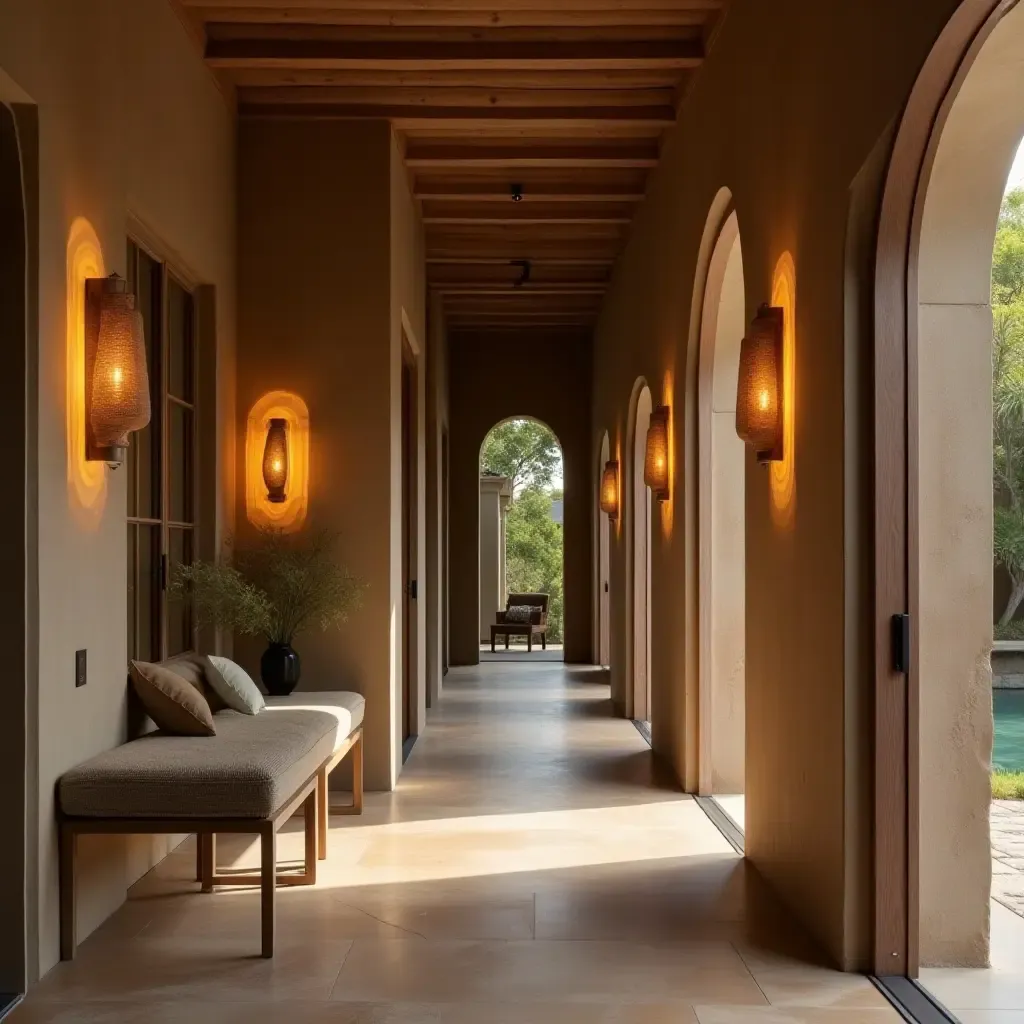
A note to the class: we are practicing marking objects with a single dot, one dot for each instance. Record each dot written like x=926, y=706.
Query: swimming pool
x=1008, y=711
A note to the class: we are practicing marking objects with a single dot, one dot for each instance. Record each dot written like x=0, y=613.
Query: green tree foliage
x=1008, y=396
x=528, y=453
x=533, y=556
x=523, y=450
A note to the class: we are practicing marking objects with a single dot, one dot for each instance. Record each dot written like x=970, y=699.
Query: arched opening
x=640, y=559
x=603, y=566
x=522, y=610
x=962, y=242
x=722, y=530
x=17, y=325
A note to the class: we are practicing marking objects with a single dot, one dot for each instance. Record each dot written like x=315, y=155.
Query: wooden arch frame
x=897, y=693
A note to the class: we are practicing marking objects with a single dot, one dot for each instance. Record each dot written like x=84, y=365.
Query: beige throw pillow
x=173, y=703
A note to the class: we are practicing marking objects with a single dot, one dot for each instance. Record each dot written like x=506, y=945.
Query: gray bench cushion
x=253, y=766
x=348, y=708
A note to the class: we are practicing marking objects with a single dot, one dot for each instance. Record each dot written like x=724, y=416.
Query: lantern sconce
x=117, y=379
x=610, y=490
x=275, y=460
x=656, y=467
x=760, y=415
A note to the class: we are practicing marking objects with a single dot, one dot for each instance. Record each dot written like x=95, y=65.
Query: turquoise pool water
x=1008, y=710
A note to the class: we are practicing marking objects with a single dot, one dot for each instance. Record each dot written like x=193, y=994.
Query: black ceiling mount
x=517, y=193
x=526, y=267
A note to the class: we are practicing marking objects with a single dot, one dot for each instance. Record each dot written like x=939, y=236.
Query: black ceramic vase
x=280, y=669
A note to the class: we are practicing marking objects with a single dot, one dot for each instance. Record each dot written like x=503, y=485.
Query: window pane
x=179, y=341
x=179, y=470
x=144, y=592
x=179, y=615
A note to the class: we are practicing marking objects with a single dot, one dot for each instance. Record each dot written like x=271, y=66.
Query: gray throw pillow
x=518, y=613
x=234, y=686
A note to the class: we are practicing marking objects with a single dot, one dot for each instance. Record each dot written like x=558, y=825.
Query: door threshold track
x=722, y=821
x=8, y=1003
x=644, y=728
x=913, y=1002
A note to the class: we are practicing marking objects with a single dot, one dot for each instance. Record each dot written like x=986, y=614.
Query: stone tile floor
x=1007, y=822
x=532, y=867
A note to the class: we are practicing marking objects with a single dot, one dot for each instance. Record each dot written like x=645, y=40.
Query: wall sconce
x=275, y=461
x=117, y=379
x=760, y=396
x=610, y=490
x=656, y=457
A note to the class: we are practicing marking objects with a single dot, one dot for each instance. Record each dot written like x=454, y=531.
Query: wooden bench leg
x=357, y=776
x=543, y=641
x=506, y=641
x=322, y=812
x=208, y=859
x=268, y=887
x=310, y=815
x=529, y=642
x=494, y=636
x=199, y=857
x=67, y=840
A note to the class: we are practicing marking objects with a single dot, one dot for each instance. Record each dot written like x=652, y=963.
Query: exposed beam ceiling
x=561, y=103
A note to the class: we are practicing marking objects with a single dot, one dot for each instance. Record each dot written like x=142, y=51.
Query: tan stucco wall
x=788, y=153
x=485, y=389
x=328, y=260
x=130, y=124
x=955, y=583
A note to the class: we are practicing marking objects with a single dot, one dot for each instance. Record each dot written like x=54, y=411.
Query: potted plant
x=276, y=588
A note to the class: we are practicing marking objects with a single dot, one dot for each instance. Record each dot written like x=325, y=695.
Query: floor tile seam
x=749, y=971
x=337, y=977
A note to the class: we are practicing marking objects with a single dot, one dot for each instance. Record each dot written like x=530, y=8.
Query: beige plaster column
x=495, y=494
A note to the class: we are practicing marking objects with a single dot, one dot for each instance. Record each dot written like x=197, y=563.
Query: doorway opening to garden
x=722, y=529
x=960, y=888
x=640, y=514
x=522, y=611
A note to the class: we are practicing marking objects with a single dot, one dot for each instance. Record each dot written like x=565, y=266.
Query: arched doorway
x=640, y=559
x=722, y=529
x=521, y=554
x=17, y=239
x=938, y=352
x=603, y=566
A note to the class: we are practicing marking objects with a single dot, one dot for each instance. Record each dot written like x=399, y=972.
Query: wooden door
x=408, y=540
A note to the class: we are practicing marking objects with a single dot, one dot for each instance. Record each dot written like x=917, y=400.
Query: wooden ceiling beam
x=568, y=9
x=489, y=289
x=420, y=156
x=407, y=55
x=440, y=192
x=490, y=101
x=470, y=119
x=485, y=81
x=387, y=16
x=502, y=261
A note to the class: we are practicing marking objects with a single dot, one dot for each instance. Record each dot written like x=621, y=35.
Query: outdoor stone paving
x=1007, y=822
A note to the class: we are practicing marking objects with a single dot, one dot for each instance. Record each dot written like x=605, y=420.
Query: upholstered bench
x=348, y=708
x=248, y=778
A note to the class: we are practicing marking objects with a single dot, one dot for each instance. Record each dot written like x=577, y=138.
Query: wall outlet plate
x=81, y=676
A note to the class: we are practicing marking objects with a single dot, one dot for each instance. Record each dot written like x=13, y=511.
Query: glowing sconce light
x=656, y=457
x=610, y=490
x=760, y=398
x=275, y=460
x=117, y=380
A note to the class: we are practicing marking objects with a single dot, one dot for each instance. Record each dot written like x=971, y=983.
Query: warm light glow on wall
x=86, y=481
x=656, y=461
x=284, y=508
x=665, y=507
x=783, y=473
x=610, y=490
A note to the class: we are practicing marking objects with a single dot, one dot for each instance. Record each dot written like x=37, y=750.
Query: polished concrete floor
x=531, y=868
